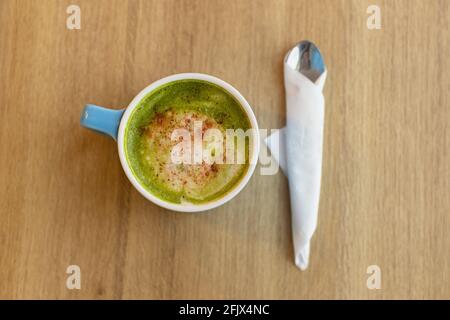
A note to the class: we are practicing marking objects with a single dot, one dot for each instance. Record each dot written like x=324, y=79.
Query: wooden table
x=64, y=199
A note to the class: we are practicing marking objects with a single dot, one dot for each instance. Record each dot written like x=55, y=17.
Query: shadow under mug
x=113, y=123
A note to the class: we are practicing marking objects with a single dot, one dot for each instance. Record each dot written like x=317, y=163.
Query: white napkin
x=300, y=155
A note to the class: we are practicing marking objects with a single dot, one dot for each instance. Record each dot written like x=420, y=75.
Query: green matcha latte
x=149, y=141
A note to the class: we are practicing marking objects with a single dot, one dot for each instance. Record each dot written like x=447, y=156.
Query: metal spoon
x=305, y=57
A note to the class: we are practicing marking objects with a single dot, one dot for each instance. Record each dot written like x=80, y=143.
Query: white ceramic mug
x=113, y=123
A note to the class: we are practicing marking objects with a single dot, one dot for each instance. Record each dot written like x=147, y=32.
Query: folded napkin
x=300, y=155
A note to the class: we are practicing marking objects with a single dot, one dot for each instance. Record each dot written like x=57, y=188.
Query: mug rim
x=236, y=189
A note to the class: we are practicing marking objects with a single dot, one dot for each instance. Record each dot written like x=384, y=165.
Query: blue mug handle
x=102, y=120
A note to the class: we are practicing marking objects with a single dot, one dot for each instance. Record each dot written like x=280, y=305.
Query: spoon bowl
x=305, y=58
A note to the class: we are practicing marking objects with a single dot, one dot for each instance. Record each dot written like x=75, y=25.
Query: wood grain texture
x=64, y=198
